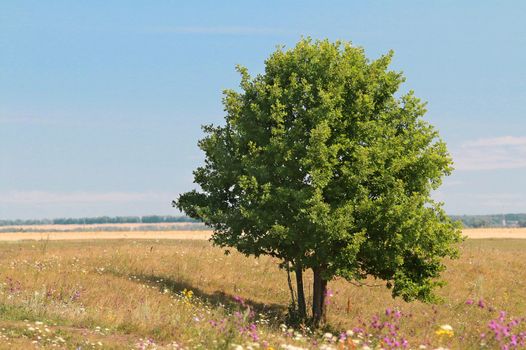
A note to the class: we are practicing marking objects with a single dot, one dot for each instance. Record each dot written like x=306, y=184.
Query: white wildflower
x=327, y=336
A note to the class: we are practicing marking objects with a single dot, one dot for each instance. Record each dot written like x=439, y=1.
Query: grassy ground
x=186, y=294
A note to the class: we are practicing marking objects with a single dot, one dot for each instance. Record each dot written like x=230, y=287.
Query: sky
x=101, y=102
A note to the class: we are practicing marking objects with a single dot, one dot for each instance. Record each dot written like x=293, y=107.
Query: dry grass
x=170, y=231
x=109, y=235
x=133, y=290
x=505, y=232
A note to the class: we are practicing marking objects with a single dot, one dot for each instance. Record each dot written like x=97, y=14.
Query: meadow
x=187, y=294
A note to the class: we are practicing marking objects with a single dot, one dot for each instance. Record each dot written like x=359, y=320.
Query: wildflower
x=187, y=294
x=481, y=304
x=469, y=302
x=343, y=337
x=75, y=296
x=291, y=347
x=445, y=329
x=326, y=347
x=239, y=300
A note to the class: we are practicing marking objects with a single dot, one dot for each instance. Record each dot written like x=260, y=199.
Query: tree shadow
x=275, y=313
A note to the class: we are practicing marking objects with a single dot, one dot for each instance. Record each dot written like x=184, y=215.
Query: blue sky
x=101, y=102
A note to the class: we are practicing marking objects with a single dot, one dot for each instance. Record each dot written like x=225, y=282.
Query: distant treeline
x=472, y=221
x=494, y=220
x=151, y=219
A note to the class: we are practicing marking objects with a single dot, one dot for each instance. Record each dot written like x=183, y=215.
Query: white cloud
x=507, y=201
x=505, y=152
x=451, y=183
x=220, y=30
x=42, y=197
x=459, y=202
x=497, y=141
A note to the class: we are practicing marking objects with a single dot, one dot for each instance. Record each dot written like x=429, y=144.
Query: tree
x=320, y=165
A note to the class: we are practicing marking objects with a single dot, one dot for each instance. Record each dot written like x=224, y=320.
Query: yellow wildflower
x=446, y=330
x=188, y=294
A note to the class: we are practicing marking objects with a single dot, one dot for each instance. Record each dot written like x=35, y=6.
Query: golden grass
x=132, y=290
x=505, y=232
x=171, y=231
x=139, y=231
x=106, y=235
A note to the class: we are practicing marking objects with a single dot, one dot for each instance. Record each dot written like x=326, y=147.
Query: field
x=171, y=294
x=495, y=232
x=169, y=231
x=96, y=235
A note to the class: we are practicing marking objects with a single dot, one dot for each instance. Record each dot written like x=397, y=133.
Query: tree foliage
x=320, y=164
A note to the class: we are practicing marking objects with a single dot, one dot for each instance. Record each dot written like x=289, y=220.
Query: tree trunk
x=318, y=297
x=291, y=289
x=302, y=308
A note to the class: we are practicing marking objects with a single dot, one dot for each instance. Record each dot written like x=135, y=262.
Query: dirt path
x=202, y=235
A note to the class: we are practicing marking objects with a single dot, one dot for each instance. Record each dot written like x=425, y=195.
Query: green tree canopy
x=321, y=165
